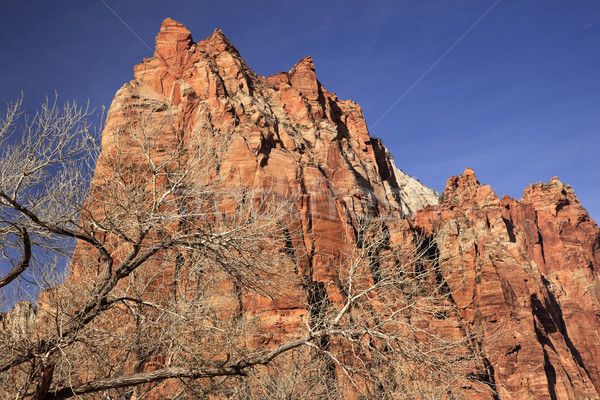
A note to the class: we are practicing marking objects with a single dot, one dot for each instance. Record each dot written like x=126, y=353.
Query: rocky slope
x=524, y=271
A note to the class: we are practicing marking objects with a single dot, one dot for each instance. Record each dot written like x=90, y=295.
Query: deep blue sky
x=518, y=99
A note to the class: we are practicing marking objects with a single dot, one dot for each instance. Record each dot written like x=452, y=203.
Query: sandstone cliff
x=529, y=273
x=530, y=265
x=524, y=271
x=289, y=128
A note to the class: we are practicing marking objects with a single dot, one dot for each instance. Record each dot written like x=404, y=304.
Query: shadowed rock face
x=530, y=279
x=523, y=270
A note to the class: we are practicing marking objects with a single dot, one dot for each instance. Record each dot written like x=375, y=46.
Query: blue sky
x=517, y=99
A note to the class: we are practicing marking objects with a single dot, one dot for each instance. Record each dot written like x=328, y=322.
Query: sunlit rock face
x=525, y=271
x=289, y=129
x=285, y=136
x=18, y=322
x=288, y=135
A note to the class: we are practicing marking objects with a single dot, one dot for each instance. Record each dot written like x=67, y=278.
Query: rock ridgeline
x=294, y=132
x=524, y=271
x=529, y=270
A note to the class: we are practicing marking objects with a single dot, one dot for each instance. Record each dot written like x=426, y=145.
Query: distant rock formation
x=19, y=321
x=529, y=270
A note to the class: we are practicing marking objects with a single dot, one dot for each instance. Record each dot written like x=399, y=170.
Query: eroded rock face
x=523, y=270
x=286, y=134
x=416, y=195
x=288, y=128
x=526, y=272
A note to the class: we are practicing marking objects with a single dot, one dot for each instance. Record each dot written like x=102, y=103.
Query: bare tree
x=156, y=235
x=46, y=161
x=175, y=268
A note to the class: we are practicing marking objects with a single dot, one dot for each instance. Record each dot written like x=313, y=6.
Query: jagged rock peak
x=304, y=64
x=467, y=178
x=465, y=191
x=169, y=23
x=220, y=42
x=554, y=185
x=172, y=38
x=416, y=196
x=304, y=79
x=554, y=197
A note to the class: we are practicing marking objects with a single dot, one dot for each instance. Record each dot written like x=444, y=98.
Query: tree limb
x=178, y=372
x=23, y=264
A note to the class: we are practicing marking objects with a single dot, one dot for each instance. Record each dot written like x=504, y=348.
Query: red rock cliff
x=288, y=133
x=526, y=270
x=529, y=270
